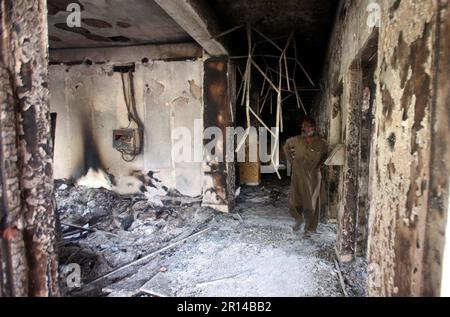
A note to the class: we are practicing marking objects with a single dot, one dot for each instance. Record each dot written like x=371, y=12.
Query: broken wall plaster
x=195, y=90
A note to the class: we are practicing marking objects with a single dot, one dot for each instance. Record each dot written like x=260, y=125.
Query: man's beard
x=312, y=133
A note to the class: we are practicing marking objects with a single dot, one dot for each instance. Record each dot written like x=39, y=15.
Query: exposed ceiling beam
x=198, y=20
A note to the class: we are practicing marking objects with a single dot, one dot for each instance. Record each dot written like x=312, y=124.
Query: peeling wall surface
x=400, y=221
x=89, y=96
x=28, y=231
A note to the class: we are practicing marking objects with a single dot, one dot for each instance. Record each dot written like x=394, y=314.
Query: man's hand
x=292, y=153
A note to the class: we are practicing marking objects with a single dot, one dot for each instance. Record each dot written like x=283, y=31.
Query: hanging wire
x=133, y=117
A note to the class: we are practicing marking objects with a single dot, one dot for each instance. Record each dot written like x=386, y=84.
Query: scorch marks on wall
x=166, y=96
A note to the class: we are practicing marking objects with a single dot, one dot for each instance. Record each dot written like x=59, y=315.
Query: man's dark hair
x=311, y=121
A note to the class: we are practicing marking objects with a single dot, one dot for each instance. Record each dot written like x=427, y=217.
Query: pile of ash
x=102, y=230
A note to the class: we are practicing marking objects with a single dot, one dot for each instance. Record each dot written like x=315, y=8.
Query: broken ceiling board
x=198, y=20
x=112, y=23
x=310, y=20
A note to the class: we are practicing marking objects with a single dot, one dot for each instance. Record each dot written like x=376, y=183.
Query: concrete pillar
x=28, y=261
x=348, y=209
x=219, y=108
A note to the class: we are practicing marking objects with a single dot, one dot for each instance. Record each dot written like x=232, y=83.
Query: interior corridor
x=143, y=148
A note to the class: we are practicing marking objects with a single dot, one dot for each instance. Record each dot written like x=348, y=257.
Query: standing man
x=306, y=153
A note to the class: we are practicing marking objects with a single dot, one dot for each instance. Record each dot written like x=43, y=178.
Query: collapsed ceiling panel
x=310, y=21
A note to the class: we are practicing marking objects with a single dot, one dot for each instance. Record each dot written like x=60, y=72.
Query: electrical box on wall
x=124, y=139
x=124, y=68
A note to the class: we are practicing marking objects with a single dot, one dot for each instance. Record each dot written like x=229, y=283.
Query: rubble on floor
x=355, y=275
x=251, y=252
x=118, y=229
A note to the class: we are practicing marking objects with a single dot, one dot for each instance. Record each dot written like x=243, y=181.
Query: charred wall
x=407, y=210
x=28, y=250
x=88, y=97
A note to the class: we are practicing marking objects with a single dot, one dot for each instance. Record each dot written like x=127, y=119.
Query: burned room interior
x=99, y=199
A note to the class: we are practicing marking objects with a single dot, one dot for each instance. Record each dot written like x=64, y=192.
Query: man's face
x=307, y=128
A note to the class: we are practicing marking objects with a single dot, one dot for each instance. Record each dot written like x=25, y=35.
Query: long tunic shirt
x=306, y=191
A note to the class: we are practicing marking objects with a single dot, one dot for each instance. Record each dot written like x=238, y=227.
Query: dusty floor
x=252, y=252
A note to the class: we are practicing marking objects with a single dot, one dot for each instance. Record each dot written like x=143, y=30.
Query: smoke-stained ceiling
x=117, y=23
x=108, y=23
x=310, y=19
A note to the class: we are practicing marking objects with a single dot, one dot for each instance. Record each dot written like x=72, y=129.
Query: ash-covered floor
x=251, y=252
